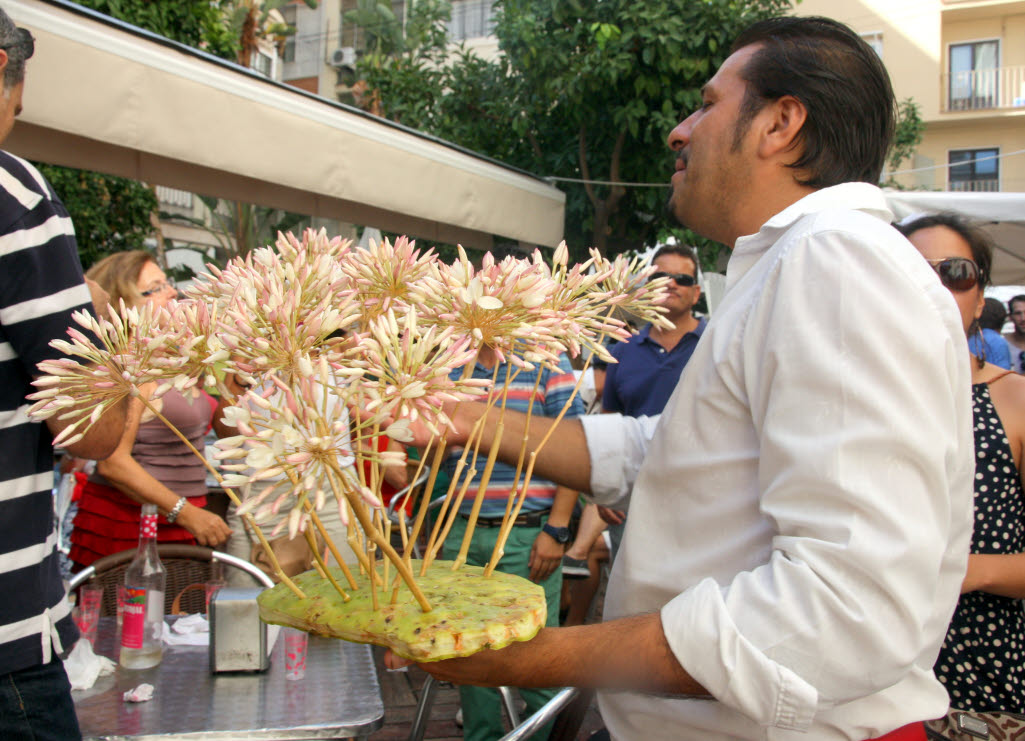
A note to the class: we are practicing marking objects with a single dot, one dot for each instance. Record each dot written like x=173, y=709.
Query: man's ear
x=781, y=134
x=3, y=60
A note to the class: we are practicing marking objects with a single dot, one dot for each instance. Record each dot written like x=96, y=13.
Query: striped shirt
x=549, y=397
x=40, y=285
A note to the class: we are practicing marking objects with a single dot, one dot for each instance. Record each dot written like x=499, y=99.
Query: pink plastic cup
x=87, y=612
x=295, y=653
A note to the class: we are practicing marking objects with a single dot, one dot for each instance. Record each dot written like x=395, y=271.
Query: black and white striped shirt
x=41, y=283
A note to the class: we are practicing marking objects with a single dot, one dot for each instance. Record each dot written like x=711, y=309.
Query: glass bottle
x=145, y=582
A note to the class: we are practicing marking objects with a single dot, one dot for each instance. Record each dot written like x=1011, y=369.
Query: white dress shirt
x=802, y=510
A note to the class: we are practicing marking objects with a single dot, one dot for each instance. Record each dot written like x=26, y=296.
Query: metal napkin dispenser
x=238, y=638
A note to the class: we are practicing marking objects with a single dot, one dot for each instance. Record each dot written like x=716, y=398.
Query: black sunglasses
x=681, y=279
x=24, y=40
x=957, y=273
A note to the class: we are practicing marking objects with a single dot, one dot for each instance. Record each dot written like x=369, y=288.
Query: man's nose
x=679, y=137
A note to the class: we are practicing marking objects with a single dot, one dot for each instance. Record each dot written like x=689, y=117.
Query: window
x=974, y=170
x=471, y=19
x=263, y=63
x=288, y=53
x=973, y=75
x=875, y=40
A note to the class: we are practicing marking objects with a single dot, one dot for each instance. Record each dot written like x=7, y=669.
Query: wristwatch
x=559, y=534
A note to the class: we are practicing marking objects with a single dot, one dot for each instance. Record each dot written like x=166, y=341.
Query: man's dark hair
x=978, y=241
x=19, y=45
x=994, y=314
x=680, y=250
x=1019, y=299
x=843, y=85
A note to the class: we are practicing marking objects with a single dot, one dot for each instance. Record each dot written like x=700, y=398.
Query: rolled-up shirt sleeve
x=864, y=476
x=616, y=445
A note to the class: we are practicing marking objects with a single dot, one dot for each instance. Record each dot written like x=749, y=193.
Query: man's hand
x=612, y=516
x=99, y=296
x=625, y=654
x=487, y=668
x=545, y=557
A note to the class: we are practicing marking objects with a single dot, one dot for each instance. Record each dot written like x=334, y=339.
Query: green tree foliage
x=249, y=21
x=906, y=138
x=110, y=214
x=584, y=90
x=198, y=23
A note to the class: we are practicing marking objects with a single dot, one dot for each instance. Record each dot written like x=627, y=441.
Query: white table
x=338, y=698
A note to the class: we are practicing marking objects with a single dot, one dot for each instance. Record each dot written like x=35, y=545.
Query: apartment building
x=321, y=56
x=963, y=62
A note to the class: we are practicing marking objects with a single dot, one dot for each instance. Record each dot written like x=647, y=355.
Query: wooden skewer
x=359, y=510
x=268, y=551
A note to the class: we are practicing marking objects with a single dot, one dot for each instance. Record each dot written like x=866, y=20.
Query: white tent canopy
x=105, y=96
x=1002, y=215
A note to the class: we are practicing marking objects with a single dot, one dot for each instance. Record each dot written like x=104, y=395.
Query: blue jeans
x=35, y=705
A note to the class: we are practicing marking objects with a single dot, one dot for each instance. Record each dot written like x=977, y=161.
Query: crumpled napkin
x=84, y=666
x=142, y=693
x=191, y=630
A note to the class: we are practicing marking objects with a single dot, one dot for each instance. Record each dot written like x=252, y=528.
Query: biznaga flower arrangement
x=274, y=319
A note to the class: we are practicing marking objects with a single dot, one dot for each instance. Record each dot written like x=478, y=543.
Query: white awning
x=1001, y=215
x=105, y=96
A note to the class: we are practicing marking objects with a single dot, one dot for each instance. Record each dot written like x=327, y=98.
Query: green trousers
x=482, y=706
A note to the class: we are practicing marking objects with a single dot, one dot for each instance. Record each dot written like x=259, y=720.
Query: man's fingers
x=393, y=661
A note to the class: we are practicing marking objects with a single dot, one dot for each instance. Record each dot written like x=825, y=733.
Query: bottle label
x=133, y=624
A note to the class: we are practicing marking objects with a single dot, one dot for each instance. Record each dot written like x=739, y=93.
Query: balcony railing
x=174, y=197
x=985, y=89
x=975, y=186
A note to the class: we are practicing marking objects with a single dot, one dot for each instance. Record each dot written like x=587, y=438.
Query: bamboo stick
x=275, y=564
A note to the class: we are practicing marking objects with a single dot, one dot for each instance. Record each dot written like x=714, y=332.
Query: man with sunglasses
x=1016, y=337
x=650, y=363
x=802, y=510
x=41, y=285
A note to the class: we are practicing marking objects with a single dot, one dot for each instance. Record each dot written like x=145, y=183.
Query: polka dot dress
x=981, y=662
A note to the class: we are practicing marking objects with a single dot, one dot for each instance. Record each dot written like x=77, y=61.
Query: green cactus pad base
x=469, y=612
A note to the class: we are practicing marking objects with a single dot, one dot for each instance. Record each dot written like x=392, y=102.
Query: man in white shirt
x=801, y=511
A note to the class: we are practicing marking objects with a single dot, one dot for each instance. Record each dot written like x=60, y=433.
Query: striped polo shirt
x=549, y=397
x=41, y=283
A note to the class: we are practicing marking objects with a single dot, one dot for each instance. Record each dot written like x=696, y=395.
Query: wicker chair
x=186, y=565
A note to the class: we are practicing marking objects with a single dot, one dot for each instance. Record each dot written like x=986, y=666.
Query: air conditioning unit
x=343, y=57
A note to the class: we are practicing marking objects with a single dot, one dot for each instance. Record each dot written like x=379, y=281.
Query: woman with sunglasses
x=981, y=661
x=150, y=463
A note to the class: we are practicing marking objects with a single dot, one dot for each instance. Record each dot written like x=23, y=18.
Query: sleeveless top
x=163, y=454
x=981, y=661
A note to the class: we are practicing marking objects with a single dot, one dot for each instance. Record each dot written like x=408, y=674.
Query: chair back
x=185, y=564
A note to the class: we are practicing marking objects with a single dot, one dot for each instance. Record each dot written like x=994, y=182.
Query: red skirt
x=912, y=732
x=108, y=522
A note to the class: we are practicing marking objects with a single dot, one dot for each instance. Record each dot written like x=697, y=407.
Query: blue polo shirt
x=642, y=381
x=997, y=351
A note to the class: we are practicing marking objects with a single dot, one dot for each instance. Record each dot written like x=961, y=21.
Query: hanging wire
x=555, y=178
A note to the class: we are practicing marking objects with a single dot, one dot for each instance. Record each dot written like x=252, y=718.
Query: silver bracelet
x=176, y=510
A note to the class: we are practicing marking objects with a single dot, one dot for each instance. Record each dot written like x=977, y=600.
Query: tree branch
x=618, y=191
x=585, y=171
